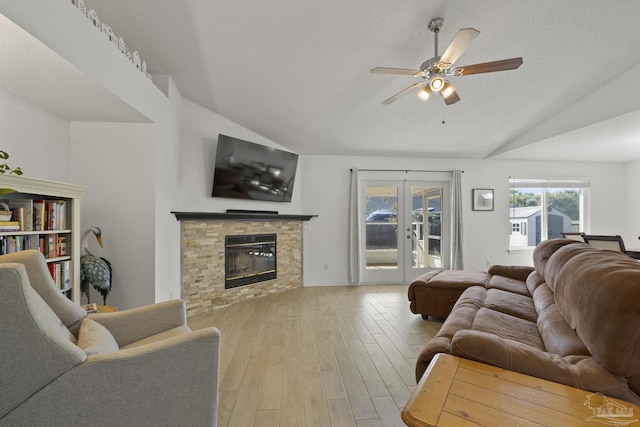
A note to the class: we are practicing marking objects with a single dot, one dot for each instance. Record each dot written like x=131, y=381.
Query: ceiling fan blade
x=403, y=92
x=490, y=67
x=460, y=42
x=401, y=71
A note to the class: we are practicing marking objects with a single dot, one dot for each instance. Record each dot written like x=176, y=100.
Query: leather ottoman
x=435, y=292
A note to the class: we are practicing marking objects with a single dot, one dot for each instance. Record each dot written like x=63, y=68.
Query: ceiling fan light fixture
x=437, y=83
x=425, y=93
x=449, y=94
x=433, y=72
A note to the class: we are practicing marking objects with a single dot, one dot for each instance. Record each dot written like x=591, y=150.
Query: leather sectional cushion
x=508, y=327
x=577, y=371
x=509, y=303
x=436, y=292
x=517, y=272
x=558, y=337
x=598, y=295
x=508, y=284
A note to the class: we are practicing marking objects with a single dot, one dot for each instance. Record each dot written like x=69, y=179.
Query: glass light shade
x=449, y=94
x=425, y=93
x=437, y=83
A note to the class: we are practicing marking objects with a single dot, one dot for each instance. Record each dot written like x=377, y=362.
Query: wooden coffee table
x=461, y=392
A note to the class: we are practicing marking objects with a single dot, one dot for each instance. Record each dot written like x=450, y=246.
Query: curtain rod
x=402, y=170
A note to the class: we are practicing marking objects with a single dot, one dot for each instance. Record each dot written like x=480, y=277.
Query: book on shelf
x=62, y=215
x=18, y=215
x=23, y=211
x=61, y=249
x=9, y=245
x=61, y=274
x=52, y=270
x=9, y=225
x=39, y=211
x=32, y=241
x=55, y=215
x=51, y=248
x=65, y=275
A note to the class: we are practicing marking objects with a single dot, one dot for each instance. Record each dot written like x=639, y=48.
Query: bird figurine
x=94, y=271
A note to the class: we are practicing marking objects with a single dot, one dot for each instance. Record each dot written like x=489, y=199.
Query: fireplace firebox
x=249, y=259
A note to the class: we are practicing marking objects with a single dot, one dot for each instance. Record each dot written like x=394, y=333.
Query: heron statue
x=94, y=271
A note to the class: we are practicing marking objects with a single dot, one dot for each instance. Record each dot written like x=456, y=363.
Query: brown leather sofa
x=575, y=320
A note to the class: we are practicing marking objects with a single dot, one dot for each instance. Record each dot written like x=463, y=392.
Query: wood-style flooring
x=318, y=356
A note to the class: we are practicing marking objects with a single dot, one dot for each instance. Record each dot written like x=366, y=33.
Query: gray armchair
x=61, y=367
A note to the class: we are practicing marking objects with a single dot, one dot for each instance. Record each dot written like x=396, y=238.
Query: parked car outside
x=382, y=215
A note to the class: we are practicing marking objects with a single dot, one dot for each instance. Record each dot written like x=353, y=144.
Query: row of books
x=51, y=245
x=61, y=274
x=36, y=215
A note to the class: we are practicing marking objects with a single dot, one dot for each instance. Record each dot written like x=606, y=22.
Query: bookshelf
x=60, y=231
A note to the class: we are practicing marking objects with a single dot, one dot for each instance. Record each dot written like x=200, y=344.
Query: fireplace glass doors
x=249, y=259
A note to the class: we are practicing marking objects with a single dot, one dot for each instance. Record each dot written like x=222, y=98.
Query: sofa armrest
x=576, y=371
x=141, y=322
x=517, y=272
x=169, y=382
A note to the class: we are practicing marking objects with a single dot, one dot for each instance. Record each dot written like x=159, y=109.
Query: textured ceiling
x=297, y=72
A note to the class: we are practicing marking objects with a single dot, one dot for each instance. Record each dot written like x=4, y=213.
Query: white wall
x=36, y=140
x=631, y=233
x=116, y=162
x=167, y=188
x=132, y=171
x=486, y=235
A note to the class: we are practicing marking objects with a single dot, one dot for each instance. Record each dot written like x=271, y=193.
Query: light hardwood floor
x=318, y=356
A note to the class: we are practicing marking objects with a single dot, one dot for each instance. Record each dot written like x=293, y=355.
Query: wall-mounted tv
x=246, y=170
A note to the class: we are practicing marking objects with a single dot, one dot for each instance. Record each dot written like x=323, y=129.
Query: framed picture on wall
x=482, y=199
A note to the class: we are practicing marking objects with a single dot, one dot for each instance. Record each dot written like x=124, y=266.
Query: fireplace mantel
x=235, y=216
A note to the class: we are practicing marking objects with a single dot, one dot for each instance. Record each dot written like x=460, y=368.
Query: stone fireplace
x=204, y=238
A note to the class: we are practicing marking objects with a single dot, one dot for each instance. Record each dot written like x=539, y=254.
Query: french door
x=403, y=229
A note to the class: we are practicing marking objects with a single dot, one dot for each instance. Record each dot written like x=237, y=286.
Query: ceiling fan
x=434, y=73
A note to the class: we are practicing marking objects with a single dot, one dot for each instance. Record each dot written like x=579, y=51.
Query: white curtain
x=354, y=230
x=456, y=218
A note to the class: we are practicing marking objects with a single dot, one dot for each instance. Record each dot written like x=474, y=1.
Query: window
x=546, y=208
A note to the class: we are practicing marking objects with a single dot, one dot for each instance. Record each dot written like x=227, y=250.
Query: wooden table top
x=461, y=392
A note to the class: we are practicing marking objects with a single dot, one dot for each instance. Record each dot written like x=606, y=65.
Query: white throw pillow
x=94, y=338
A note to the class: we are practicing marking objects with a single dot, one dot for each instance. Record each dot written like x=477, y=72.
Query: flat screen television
x=246, y=170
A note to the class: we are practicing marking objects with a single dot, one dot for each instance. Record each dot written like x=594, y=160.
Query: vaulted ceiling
x=297, y=72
